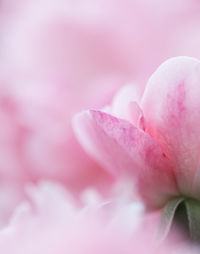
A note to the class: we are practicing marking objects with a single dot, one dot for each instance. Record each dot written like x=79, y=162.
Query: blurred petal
x=52, y=223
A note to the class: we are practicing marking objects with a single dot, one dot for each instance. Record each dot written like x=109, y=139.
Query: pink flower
x=158, y=143
x=60, y=57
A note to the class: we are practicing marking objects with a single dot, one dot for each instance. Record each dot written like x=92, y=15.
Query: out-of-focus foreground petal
x=52, y=223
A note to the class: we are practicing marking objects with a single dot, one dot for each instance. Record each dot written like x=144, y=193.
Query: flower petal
x=127, y=151
x=171, y=106
x=121, y=102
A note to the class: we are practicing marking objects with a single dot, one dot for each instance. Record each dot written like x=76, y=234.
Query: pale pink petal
x=136, y=115
x=127, y=151
x=171, y=105
x=122, y=100
x=125, y=105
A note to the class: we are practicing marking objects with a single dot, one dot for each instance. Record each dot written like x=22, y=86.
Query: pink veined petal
x=127, y=151
x=171, y=105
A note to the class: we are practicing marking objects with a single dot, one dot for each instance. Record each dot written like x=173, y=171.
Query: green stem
x=193, y=213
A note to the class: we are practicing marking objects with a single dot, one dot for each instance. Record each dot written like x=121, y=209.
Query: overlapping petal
x=171, y=106
x=127, y=151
